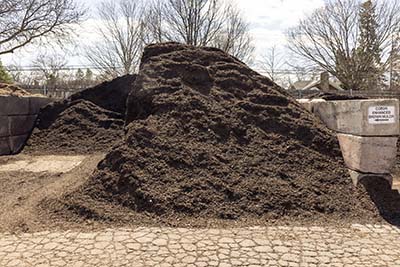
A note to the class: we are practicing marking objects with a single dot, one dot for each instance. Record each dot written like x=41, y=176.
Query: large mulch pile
x=87, y=122
x=208, y=138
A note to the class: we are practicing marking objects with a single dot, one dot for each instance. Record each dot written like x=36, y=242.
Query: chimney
x=324, y=83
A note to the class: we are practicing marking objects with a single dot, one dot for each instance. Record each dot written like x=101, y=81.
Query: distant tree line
x=356, y=41
x=126, y=27
x=51, y=79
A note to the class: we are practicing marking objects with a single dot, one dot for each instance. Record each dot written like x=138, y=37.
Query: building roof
x=299, y=85
x=314, y=85
x=334, y=85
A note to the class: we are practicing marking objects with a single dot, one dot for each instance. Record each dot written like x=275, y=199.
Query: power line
x=93, y=67
x=65, y=68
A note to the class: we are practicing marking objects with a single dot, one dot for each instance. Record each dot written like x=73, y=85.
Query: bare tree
x=303, y=72
x=394, y=66
x=153, y=23
x=117, y=51
x=15, y=70
x=234, y=37
x=24, y=21
x=50, y=66
x=330, y=38
x=194, y=22
x=271, y=62
x=200, y=23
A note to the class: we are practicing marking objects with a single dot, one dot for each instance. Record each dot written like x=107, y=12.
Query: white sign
x=382, y=115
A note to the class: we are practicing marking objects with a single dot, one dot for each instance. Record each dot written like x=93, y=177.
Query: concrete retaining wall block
x=13, y=105
x=356, y=177
x=4, y=146
x=17, y=119
x=36, y=103
x=4, y=126
x=372, y=117
x=369, y=154
x=20, y=125
x=17, y=143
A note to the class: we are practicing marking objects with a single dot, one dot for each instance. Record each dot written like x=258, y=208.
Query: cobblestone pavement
x=271, y=246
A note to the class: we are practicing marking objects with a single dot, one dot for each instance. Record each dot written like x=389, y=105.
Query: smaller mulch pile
x=89, y=121
x=9, y=89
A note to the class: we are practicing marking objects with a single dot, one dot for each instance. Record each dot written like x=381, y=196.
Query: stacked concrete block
x=310, y=104
x=17, y=119
x=367, y=130
x=369, y=154
x=359, y=117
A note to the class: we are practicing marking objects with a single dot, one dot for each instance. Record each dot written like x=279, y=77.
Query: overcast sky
x=269, y=20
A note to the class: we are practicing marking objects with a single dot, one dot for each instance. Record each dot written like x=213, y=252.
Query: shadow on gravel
x=386, y=199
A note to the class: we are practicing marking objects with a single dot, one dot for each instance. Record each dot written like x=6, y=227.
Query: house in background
x=324, y=84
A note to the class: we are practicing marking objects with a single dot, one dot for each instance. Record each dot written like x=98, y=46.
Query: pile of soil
x=110, y=95
x=208, y=138
x=81, y=128
x=9, y=89
x=87, y=122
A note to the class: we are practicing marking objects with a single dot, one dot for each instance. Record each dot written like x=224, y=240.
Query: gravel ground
x=358, y=245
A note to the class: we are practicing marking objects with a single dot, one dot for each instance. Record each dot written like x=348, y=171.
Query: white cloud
x=270, y=19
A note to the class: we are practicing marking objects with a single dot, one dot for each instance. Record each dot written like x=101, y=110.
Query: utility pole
x=391, y=62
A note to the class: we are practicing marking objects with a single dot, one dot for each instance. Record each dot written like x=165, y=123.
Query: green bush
x=5, y=77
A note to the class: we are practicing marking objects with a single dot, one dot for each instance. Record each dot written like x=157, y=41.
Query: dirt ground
x=28, y=201
x=21, y=192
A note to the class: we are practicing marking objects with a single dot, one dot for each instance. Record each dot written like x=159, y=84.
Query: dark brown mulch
x=208, y=138
x=110, y=95
x=89, y=121
x=81, y=128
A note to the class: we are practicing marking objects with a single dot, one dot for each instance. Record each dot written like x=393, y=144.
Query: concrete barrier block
x=17, y=143
x=372, y=117
x=308, y=104
x=20, y=125
x=356, y=177
x=13, y=105
x=4, y=146
x=327, y=113
x=17, y=119
x=4, y=126
x=36, y=103
x=369, y=154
